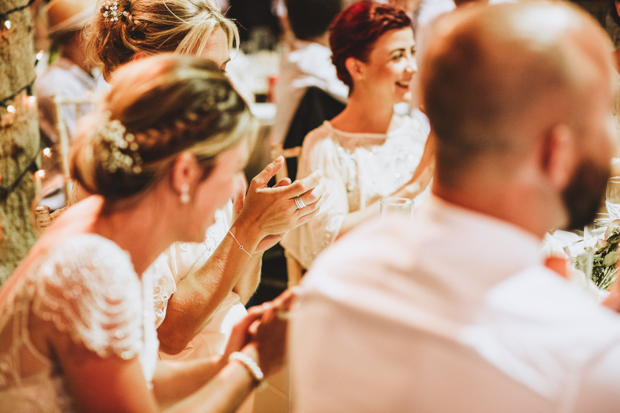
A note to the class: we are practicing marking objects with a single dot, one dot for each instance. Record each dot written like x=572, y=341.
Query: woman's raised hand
x=272, y=212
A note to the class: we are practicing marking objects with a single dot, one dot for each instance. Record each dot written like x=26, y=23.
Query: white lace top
x=87, y=287
x=358, y=170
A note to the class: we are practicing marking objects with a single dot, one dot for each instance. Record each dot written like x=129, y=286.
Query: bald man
x=455, y=311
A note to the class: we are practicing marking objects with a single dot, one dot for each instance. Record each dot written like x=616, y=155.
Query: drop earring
x=185, y=193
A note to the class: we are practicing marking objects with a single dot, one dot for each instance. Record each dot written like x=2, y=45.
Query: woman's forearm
x=174, y=381
x=248, y=282
x=223, y=394
x=199, y=294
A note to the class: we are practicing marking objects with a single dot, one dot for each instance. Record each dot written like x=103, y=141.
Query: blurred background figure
x=306, y=62
x=71, y=75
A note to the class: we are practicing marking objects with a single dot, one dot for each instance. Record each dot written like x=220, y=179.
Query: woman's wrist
x=246, y=360
x=246, y=236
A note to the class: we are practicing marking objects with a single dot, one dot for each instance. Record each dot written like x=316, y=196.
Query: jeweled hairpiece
x=113, y=134
x=110, y=10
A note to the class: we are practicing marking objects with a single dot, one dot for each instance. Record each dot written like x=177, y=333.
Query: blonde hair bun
x=157, y=108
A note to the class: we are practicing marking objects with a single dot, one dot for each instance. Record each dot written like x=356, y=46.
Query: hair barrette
x=110, y=10
x=117, y=140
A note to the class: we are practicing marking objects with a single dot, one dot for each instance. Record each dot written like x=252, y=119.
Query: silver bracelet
x=250, y=364
x=240, y=246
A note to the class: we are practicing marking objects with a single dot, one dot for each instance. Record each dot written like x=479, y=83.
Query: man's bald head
x=495, y=78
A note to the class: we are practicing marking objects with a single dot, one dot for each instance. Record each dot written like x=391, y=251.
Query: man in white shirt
x=455, y=311
x=306, y=61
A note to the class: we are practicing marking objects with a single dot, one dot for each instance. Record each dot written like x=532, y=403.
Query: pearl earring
x=185, y=193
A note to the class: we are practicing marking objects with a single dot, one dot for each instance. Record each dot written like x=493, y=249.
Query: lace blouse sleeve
x=87, y=287
x=164, y=282
x=307, y=241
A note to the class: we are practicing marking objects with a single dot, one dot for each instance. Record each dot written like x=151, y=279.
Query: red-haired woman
x=367, y=152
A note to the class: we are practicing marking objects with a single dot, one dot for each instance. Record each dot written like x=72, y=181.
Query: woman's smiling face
x=389, y=71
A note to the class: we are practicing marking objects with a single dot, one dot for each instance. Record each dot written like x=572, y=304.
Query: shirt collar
x=498, y=238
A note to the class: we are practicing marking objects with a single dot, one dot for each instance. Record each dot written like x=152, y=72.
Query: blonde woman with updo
x=203, y=286
x=77, y=327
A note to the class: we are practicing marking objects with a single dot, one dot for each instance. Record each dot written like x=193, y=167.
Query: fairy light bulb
x=10, y=109
x=47, y=151
x=41, y=173
x=39, y=55
x=7, y=24
x=32, y=99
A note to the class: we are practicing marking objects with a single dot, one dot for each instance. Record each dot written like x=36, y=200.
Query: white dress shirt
x=451, y=312
x=68, y=79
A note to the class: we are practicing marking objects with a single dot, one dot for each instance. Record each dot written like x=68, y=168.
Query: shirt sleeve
x=596, y=388
x=88, y=288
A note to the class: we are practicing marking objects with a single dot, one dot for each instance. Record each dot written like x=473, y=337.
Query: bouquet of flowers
x=600, y=261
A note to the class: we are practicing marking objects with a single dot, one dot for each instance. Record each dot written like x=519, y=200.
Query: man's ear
x=185, y=173
x=139, y=55
x=558, y=160
x=354, y=67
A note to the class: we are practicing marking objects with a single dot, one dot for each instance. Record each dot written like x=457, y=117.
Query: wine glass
x=612, y=197
x=394, y=206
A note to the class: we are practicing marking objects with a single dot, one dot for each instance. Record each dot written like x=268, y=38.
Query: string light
x=5, y=16
x=47, y=151
x=28, y=89
x=5, y=23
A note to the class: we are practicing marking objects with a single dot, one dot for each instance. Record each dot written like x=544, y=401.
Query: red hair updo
x=357, y=28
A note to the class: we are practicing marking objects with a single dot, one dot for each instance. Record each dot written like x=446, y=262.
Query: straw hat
x=65, y=16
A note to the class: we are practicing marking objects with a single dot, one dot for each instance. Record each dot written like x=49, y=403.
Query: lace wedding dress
x=85, y=286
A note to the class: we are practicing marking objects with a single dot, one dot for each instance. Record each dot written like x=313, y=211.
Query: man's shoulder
x=373, y=248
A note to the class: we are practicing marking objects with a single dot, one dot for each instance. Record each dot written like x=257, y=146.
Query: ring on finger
x=299, y=202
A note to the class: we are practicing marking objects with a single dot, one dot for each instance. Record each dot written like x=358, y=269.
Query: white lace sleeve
x=307, y=241
x=87, y=286
x=164, y=283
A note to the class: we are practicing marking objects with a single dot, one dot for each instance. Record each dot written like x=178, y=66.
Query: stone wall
x=19, y=137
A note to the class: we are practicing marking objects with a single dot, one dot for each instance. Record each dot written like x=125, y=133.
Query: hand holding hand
x=240, y=335
x=269, y=335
